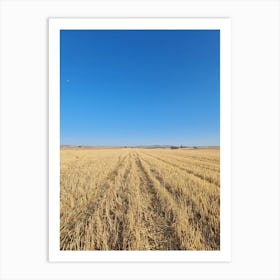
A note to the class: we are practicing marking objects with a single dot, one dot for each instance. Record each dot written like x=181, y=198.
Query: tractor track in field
x=161, y=223
x=197, y=221
x=199, y=176
x=122, y=194
x=199, y=164
x=67, y=230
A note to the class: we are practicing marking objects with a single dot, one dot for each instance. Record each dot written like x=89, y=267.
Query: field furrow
x=198, y=215
x=213, y=168
x=158, y=222
x=185, y=236
x=76, y=225
x=200, y=173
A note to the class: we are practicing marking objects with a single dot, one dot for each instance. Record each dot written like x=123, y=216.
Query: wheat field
x=139, y=199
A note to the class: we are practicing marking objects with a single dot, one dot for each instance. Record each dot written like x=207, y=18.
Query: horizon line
x=153, y=145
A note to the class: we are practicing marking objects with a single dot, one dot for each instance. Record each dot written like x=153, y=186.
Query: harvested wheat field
x=139, y=199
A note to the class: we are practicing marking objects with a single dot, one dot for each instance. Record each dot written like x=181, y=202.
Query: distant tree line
x=174, y=147
x=182, y=147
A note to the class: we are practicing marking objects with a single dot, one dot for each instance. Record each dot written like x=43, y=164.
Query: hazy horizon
x=152, y=145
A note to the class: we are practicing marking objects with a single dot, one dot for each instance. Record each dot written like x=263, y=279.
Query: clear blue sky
x=140, y=87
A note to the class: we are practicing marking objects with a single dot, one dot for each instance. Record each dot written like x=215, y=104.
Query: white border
x=224, y=25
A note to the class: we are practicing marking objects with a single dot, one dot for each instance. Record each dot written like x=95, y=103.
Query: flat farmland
x=139, y=199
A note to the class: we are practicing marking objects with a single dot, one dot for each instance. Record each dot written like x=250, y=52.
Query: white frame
x=222, y=24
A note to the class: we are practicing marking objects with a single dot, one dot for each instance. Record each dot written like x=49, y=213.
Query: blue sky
x=140, y=87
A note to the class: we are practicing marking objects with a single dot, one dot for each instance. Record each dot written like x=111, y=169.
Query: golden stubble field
x=139, y=199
